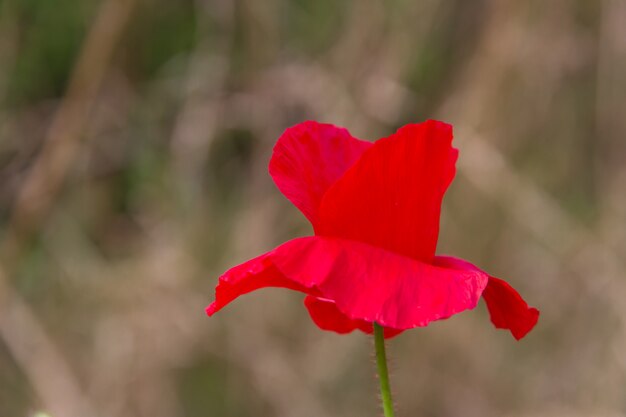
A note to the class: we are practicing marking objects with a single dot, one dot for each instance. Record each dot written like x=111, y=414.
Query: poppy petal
x=507, y=308
x=391, y=197
x=365, y=282
x=308, y=158
x=252, y=275
x=327, y=316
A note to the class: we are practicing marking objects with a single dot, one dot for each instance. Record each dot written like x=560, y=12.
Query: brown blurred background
x=134, y=142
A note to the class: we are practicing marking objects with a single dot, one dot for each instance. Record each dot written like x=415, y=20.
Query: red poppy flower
x=375, y=211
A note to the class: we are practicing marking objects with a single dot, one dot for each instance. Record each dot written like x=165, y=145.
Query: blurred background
x=134, y=142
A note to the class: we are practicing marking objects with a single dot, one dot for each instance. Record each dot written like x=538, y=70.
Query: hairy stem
x=383, y=374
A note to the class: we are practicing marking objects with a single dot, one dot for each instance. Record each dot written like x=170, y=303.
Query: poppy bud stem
x=383, y=374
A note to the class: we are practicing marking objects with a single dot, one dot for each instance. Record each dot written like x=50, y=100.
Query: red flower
x=375, y=210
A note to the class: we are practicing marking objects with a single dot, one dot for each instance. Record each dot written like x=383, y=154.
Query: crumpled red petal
x=507, y=308
x=308, y=158
x=365, y=282
x=391, y=197
x=327, y=316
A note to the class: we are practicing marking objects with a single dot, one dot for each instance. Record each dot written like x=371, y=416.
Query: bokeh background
x=134, y=142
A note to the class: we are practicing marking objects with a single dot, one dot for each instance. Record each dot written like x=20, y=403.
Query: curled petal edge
x=507, y=309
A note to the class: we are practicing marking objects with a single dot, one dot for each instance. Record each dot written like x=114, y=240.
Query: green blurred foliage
x=49, y=35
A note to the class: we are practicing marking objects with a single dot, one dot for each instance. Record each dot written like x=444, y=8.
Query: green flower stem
x=383, y=374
